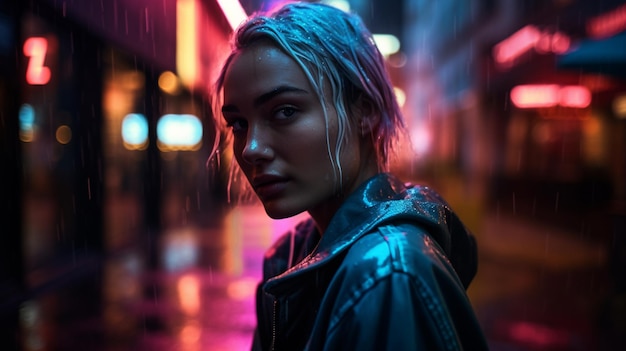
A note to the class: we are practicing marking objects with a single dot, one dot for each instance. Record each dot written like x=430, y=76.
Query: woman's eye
x=285, y=113
x=236, y=125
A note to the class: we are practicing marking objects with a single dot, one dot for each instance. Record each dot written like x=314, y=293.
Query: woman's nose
x=257, y=149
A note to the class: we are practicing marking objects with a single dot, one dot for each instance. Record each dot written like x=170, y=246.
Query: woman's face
x=282, y=139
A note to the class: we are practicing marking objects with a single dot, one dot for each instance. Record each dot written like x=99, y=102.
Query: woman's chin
x=278, y=212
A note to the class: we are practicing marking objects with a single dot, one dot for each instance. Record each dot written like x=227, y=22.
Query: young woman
x=380, y=265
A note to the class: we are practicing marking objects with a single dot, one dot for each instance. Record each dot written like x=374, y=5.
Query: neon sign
x=233, y=11
x=549, y=95
x=528, y=38
x=608, y=24
x=36, y=73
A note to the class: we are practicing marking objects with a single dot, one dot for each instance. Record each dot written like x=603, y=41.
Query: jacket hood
x=384, y=198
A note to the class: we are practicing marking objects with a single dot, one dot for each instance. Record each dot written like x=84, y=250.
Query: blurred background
x=116, y=234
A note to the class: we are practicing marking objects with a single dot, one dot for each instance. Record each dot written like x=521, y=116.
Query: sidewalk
x=539, y=288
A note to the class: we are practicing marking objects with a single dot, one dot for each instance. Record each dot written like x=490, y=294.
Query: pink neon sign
x=529, y=38
x=36, y=72
x=608, y=24
x=549, y=95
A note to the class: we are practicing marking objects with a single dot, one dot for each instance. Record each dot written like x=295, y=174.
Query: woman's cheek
x=238, y=145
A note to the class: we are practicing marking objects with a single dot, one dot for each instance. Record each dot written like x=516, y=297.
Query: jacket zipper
x=275, y=309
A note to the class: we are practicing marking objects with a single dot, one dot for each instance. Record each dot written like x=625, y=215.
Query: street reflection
x=537, y=288
x=189, y=294
x=202, y=296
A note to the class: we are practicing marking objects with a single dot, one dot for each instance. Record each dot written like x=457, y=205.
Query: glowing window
x=574, y=96
x=135, y=131
x=27, y=122
x=27, y=117
x=179, y=132
x=529, y=96
x=548, y=95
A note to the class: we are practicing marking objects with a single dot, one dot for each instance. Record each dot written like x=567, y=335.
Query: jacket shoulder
x=403, y=266
x=397, y=248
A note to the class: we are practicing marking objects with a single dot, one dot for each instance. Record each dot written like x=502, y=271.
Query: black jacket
x=390, y=273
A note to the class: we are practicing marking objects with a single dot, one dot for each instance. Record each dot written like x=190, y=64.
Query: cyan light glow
x=27, y=123
x=343, y=5
x=179, y=132
x=135, y=129
x=27, y=117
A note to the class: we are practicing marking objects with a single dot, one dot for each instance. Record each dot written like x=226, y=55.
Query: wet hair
x=336, y=51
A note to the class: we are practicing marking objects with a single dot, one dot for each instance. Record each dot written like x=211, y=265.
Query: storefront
x=561, y=137
x=105, y=144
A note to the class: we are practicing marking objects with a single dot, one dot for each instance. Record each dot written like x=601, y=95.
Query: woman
x=380, y=265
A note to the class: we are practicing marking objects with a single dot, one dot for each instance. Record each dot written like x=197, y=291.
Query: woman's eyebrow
x=277, y=91
x=263, y=98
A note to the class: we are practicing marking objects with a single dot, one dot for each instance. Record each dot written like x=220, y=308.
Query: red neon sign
x=549, y=95
x=608, y=24
x=529, y=96
x=517, y=44
x=36, y=72
x=574, y=96
x=528, y=38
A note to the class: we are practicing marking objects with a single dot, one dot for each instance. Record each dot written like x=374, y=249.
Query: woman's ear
x=368, y=116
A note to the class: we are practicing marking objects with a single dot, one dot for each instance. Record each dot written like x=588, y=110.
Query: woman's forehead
x=259, y=55
x=260, y=69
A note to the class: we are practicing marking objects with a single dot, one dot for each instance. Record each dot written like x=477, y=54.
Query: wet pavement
x=538, y=288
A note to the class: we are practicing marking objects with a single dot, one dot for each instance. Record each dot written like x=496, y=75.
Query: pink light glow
x=608, y=24
x=548, y=95
x=36, y=73
x=539, y=335
x=420, y=140
x=528, y=38
x=559, y=43
x=517, y=44
x=234, y=12
x=189, y=294
x=529, y=96
x=574, y=96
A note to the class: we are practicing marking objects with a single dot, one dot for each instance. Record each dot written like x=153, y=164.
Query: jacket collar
x=381, y=198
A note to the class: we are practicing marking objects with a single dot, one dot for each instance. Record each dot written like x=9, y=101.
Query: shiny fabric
x=390, y=273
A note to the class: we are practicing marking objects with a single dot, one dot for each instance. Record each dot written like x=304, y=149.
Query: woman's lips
x=269, y=186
